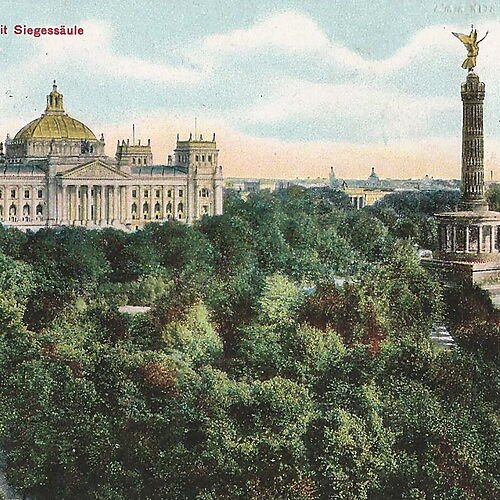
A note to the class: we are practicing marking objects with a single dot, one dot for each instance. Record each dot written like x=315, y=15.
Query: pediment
x=96, y=169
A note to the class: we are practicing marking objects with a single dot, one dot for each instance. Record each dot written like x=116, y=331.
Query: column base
x=473, y=206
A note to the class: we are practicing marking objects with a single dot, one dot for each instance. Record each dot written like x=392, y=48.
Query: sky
x=290, y=87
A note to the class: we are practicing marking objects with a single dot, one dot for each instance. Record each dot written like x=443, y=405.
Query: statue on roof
x=472, y=45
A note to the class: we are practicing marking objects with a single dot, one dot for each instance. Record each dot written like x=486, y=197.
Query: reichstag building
x=54, y=172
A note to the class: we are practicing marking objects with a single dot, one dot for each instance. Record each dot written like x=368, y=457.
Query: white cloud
x=378, y=112
x=297, y=33
x=289, y=31
x=94, y=50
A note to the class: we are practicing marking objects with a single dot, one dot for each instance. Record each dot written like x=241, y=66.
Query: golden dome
x=55, y=123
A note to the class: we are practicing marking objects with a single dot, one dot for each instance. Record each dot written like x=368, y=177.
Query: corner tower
x=200, y=158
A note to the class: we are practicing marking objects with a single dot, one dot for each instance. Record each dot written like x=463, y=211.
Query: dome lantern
x=54, y=101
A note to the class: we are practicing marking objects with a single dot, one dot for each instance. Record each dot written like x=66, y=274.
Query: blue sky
x=290, y=87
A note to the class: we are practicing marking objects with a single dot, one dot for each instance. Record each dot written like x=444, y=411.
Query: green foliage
x=257, y=373
x=493, y=197
x=409, y=215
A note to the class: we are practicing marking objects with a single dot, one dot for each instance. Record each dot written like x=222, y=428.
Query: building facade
x=54, y=172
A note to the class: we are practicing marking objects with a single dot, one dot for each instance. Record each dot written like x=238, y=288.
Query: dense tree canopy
x=286, y=356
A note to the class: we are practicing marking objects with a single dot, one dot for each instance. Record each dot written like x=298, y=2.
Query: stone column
x=33, y=204
x=190, y=205
x=472, y=92
x=479, y=238
x=128, y=203
x=102, y=205
x=121, y=192
x=64, y=196
x=76, y=207
x=140, y=193
x=51, y=196
x=454, y=238
x=467, y=239
x=115, y=204
x=446, y=239
x=88, y=214
x=79, y=204
x=162, y=203
x=152, y=198
x=494, y=233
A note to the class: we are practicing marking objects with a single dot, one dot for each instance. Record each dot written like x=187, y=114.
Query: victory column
x=469, y=238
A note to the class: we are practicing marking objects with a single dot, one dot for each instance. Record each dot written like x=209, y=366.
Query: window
x=133, y=161
x=39, y=210
x=202, y=157
x=26, y=193
x=158, y=193
x=169, y=193
x=139, y=161
x=145, y=161
x=169, y=207
x=181, y=193
x=1, y=194
x=145, y=210
x=180, y=216
x=12, y=193
x=203, y=193
x=210, y=158
x=1, y=210
x=133, y=209
x=134, y=193
x=197, y=157
x=157, y=211
x=26, y=213
x=40, y=193
x=13, y=213
x=146, y=193
x=180, y=207
x=205, y=209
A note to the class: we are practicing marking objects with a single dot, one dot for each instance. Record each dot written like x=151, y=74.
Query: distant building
x=54, y=172
x=334, y=183
x=373, y=179
x=362, y=197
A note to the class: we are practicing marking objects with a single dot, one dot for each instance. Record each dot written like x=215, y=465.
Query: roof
x=24, y=170
x=157, y=170
x=55, y=126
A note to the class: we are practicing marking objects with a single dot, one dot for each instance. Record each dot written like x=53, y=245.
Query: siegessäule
x=22, y=29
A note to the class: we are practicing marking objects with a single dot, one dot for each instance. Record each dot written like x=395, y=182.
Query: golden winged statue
x=472, y=45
